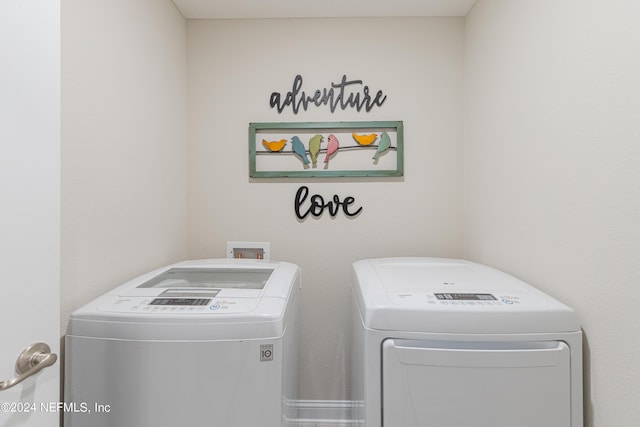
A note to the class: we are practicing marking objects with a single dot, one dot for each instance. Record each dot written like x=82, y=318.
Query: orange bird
x=364, y=139
x=274, y=145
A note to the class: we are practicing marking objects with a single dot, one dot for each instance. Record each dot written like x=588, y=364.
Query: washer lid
x=452, y=296
x=209, y=278
x=204, y=299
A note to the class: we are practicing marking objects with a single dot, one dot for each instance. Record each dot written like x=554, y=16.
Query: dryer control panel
x=457, y=299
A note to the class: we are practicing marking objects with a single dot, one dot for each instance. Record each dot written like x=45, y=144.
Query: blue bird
x=383, y=145
x=299, y=149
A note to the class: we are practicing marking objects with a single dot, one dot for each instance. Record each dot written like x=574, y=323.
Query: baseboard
x=324, y=413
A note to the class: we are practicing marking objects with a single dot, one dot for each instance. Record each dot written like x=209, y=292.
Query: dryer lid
x=452, y=296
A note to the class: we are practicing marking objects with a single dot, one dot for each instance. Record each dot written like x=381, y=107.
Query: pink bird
x=332, y=147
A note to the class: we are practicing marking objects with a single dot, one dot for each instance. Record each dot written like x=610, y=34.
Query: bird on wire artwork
x=353, y=148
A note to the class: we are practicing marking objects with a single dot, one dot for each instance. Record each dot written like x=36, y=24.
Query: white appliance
x=198, y=343
x=451, y=343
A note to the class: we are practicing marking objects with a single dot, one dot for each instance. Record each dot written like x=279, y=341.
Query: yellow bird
x=364, y=139
x=274, y=145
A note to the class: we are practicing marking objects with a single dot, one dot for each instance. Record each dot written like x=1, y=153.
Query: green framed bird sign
x=326, y=149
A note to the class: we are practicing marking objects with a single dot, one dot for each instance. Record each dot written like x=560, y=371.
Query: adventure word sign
x=340, y=94
x=317, y=205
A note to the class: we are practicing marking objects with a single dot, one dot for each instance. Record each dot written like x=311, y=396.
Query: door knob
x=31, y=361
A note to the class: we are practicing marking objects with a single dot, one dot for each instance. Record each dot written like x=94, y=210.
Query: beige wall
x=552, y=171
x=233, y=68
x=124, y=134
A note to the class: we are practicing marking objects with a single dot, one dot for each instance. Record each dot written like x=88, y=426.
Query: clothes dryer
x=451, y=343
x=208, y=342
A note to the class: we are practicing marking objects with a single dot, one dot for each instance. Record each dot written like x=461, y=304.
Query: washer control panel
x=160, y=305
x=190, y=302
x=465, y=297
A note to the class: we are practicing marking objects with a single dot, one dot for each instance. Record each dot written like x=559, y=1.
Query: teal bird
x=298, y=147
x=383, y=145
x=314, y=148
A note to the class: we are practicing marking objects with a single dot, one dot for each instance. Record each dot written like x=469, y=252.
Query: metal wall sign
x=344, y=94
x=316, y=205
x=326, y=149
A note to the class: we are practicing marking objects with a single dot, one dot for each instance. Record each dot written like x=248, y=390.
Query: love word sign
x=316, y=205
x=344, y=94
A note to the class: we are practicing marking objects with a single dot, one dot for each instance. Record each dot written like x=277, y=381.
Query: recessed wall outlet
x=249, y=250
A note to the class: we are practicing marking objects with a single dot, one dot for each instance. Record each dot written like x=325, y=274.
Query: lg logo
x=266, y=352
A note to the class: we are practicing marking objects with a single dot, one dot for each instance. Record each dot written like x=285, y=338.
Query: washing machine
x=451, y=343
x=198, y=343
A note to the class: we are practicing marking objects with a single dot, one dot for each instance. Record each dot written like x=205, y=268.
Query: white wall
x=124, y=135
x=552, y=161
x=233, y=68
x=550, y=158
